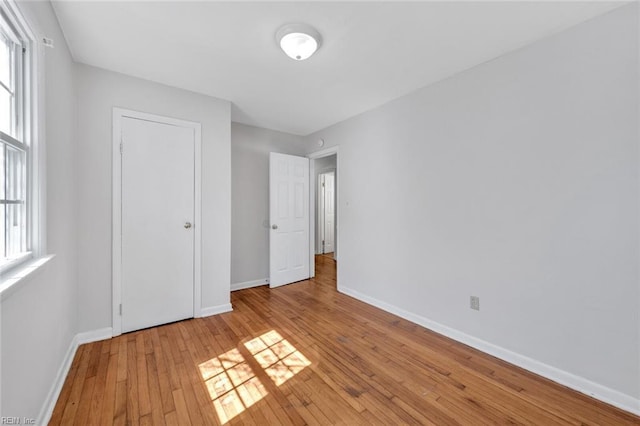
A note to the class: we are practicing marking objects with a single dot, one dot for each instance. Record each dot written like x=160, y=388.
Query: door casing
x=116, y=237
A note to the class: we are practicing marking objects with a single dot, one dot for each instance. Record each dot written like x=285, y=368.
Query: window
x=15, y=146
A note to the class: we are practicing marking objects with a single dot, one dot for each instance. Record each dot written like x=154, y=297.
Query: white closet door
x=158, y=182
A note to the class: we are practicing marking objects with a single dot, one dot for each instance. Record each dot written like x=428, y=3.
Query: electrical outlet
x=475, y=303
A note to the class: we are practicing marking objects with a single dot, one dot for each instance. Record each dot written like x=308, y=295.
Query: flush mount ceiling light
x=298, y=41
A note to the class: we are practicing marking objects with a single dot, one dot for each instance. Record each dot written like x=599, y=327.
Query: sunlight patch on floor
x=279, y=358
x=232, y=384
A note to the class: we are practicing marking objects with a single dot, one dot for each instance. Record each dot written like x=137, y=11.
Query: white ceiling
x=372, y=52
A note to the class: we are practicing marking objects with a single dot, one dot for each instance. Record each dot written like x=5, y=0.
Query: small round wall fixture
x=298, y=41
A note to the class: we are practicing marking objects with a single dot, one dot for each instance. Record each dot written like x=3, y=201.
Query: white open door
x=158, y=214
x=289, y=215
x=328, y=212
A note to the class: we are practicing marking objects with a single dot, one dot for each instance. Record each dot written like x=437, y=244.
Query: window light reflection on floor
x=279, y=358
x=232, y=384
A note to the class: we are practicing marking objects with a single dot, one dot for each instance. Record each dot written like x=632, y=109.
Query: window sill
x=14, y=278
x=7, y=266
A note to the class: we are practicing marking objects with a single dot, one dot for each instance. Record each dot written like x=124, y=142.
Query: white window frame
x=28, y=124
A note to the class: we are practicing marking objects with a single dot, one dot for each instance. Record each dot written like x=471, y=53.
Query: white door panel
x=289, y=213
x=329, y=212
x=157, y=207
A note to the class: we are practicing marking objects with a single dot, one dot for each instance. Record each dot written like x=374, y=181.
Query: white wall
x=98, y=92
x=250, y=148
x=516, y=181
x=322, y=165
x=39, y=318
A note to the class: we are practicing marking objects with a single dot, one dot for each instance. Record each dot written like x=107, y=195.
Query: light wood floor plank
x=133, y=411
x=108, y=407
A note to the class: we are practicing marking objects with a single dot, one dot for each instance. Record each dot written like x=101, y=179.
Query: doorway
x=326, y=212
x=324, y=163
x=156, y=229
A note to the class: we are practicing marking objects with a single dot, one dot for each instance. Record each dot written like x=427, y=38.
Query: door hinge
x=323, y=184
x=120, y=147
x=121, y=309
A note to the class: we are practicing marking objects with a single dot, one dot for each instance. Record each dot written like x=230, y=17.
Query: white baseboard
x=249, y=284
x=580, y=384
x=56, y=388
x=94, y=335
x=215, y=310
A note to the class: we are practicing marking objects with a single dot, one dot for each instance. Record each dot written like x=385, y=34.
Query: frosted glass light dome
x=298, y=41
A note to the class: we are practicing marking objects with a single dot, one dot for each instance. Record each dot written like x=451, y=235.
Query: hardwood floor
x=327, y=255
x=305, y=354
